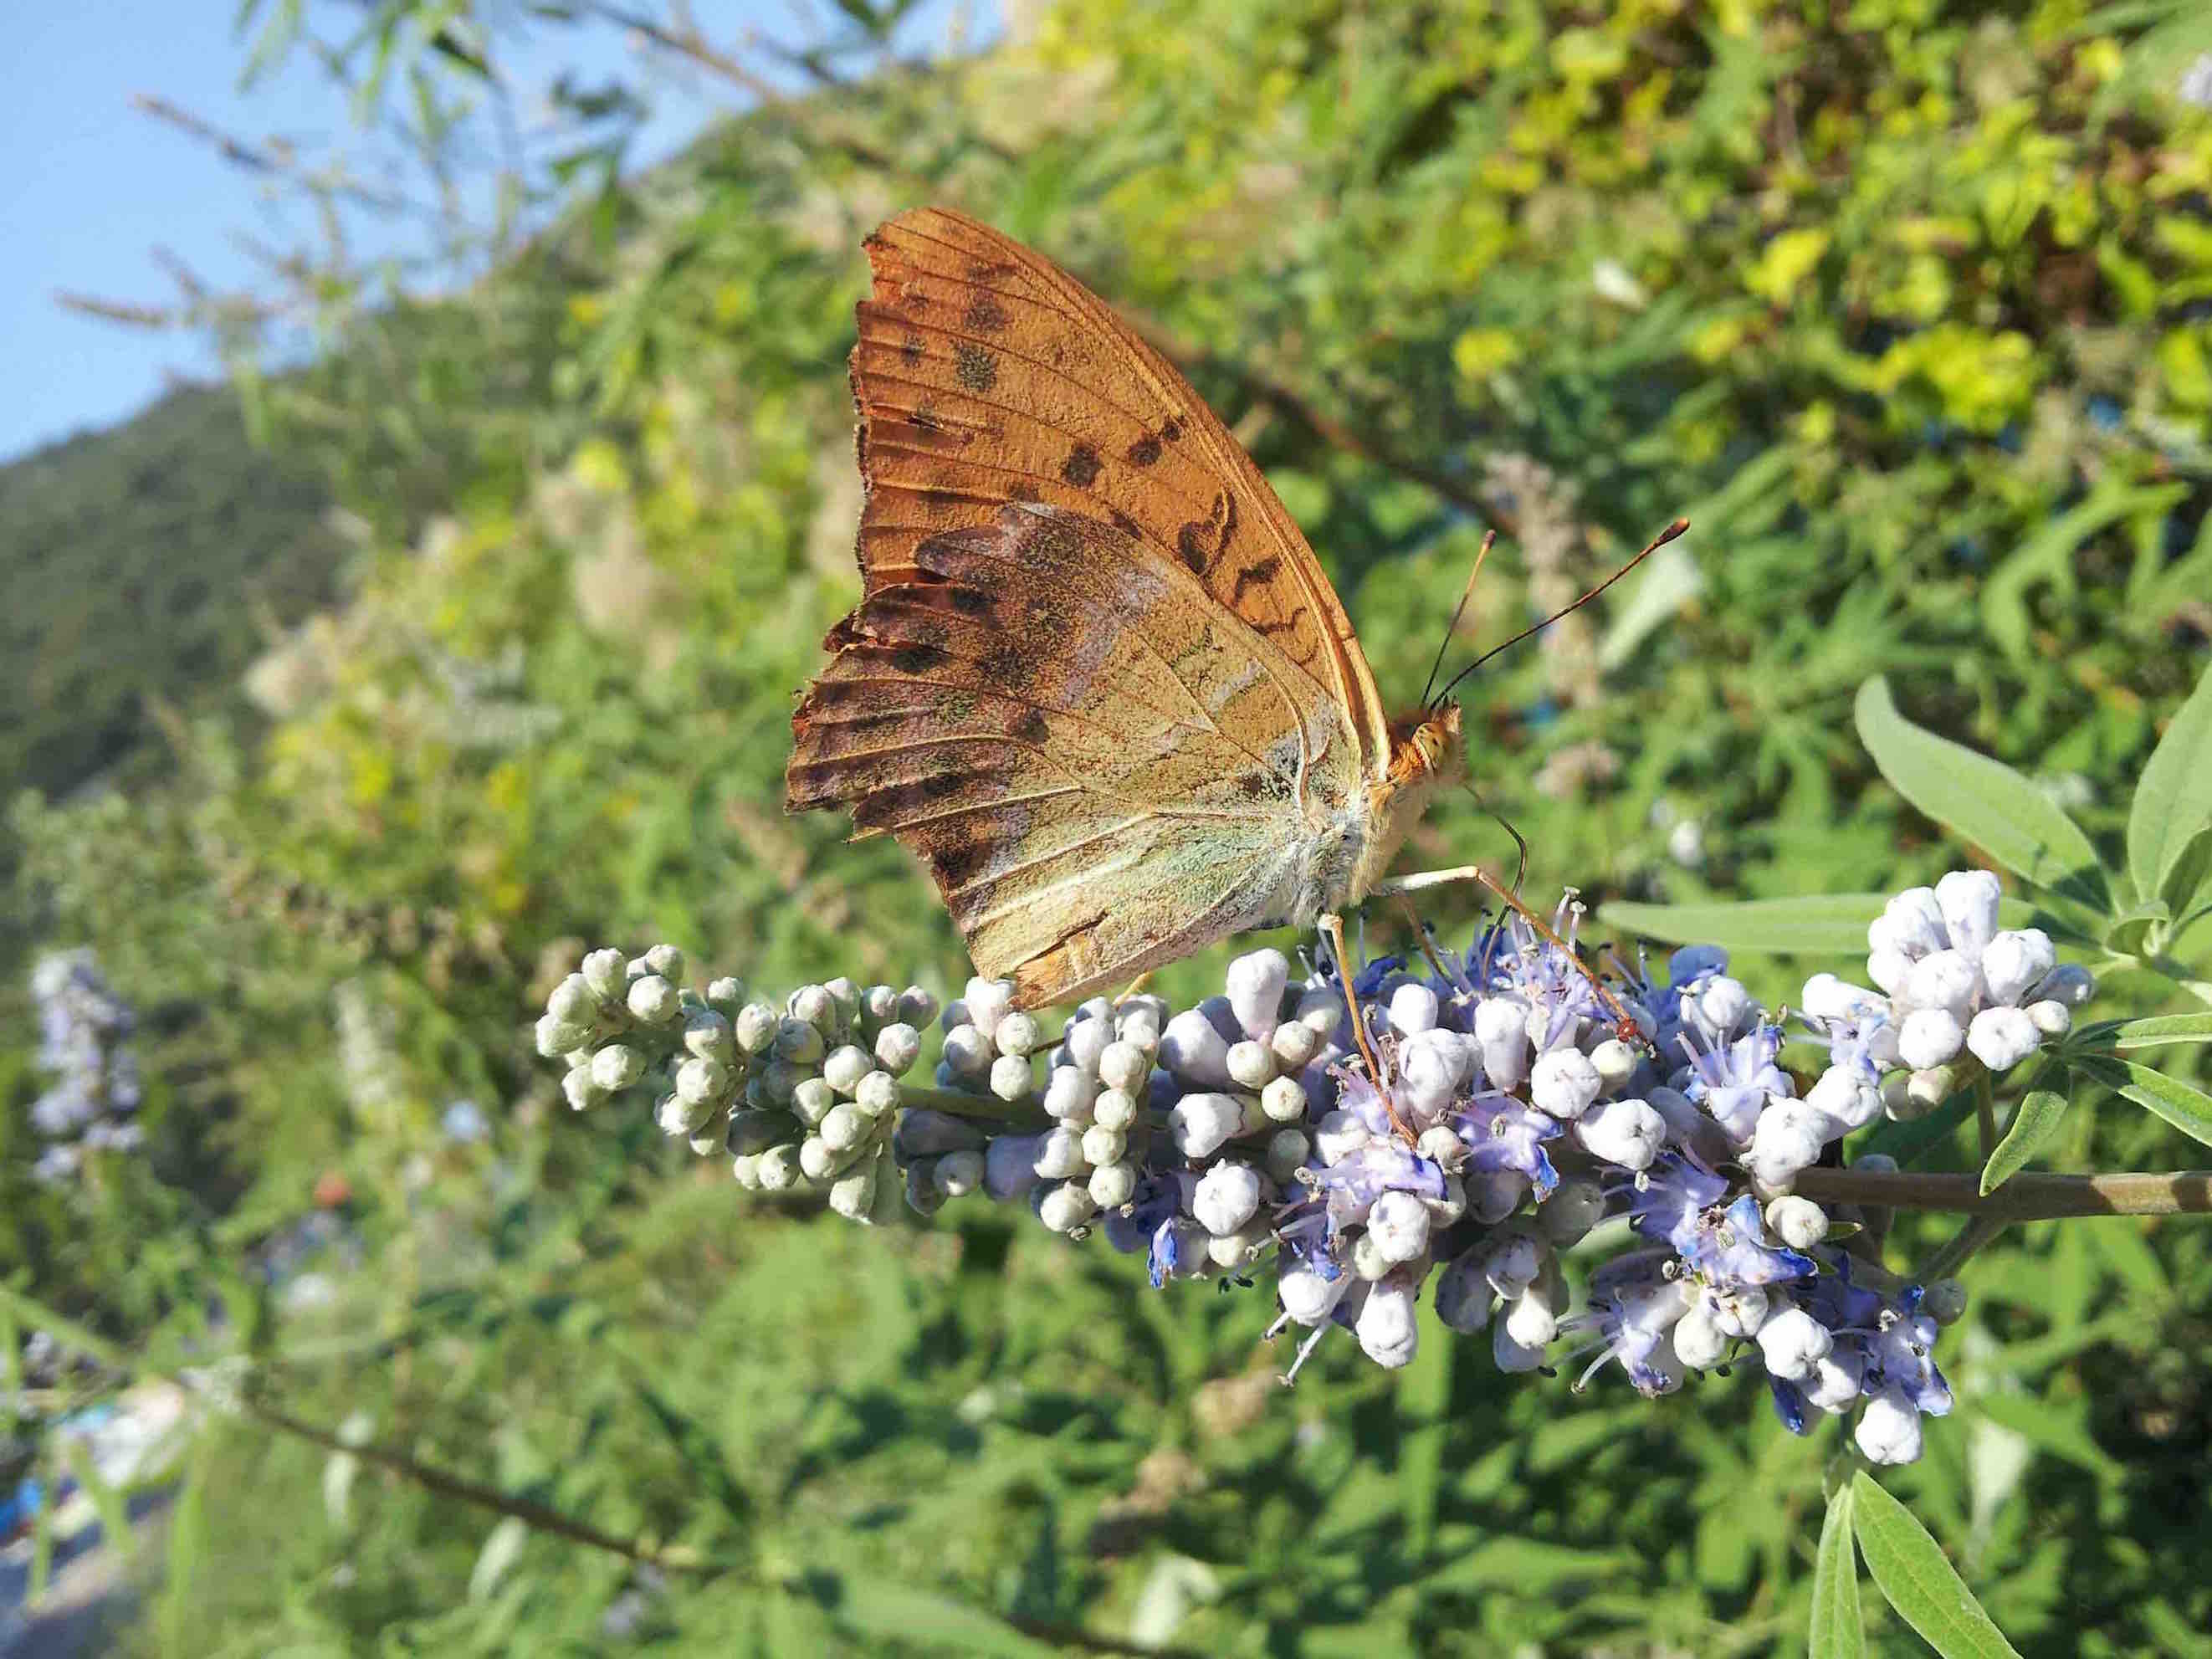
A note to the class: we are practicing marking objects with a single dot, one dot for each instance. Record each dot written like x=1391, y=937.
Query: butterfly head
x=1421, y=744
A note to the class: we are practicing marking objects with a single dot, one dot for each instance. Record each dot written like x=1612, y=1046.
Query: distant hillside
x=134, y=561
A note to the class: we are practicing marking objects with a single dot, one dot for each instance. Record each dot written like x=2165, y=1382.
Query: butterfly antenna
x=1520, y=841
x=1443, y=645
x=1658, y=542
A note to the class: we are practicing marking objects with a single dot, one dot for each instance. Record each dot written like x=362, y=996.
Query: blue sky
x=94, y=187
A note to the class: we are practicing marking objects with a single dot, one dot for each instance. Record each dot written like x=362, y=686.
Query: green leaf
x=1980, y=800
x=2173, y=799
x=1834, y=924
x=1838, y=1631
x=1917, y=1579
x=1424, y=1399
x=2187, y=873
x=2049, y=1429
x=2189, y=1109
x=106, y=1502
x=2033, y=1123
x=870, y=1605
x=2139, y=931
x=2160, y=1029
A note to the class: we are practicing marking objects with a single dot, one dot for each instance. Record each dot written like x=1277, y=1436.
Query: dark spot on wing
x=1128, y=525
x=942, y=786
x=1144, y=450
x=926, y=417
x=1171, y=429
x=917, y=659
x=1031, y=727
x=976, y=368
x=954, y=861
x=910, y=349
x=1190, y=542
x=1263, y=573
x=985, y=314
x=970, y=601
x=1004, y=664
x=1081, y=467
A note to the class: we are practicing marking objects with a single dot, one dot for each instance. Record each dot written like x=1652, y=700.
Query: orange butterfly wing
x=1098, y=679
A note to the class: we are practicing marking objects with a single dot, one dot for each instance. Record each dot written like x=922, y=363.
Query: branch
x=2023, y=1198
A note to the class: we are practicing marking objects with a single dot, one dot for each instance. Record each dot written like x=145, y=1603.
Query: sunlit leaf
x=2034, y=1120
x=2173, y=798
x=1838, y=1631
x=1916, y=1579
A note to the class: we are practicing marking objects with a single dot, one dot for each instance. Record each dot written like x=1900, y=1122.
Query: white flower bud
x=898, y=1046
x=1925, y=1091
x=1287, y=1152
x=755, y=1027
x=989, y=1000
x=1968, y=900
x=616, y=1066
x=917, y=1007
x=1193, y=1050
x=1929, y=1037
x=1307, y=1296
x=1844, y=1096
x=812, y=1005
x=2050, y=1017
x=1889, y=1429
x=1946, y=980
x=1226, y=1197
x=751, y=1134
x=846, y=1065
x=558, y=1036
x=856, y=1194
x=1827, y=997
x=1834, y=1381
x=1511, y=1264
x=1399, y=1223
x=1240, y=1249
x=1387, y=1327
x=573, y=1000
x=1616, y=1063
x=1501, y=1027
x=1069, y=1093
x=1010, y=1165
x=1113, y=1185
x=1255, y=984
x=1912, y=922
x=1463, y=1295
x=1440, y=1143
x=1018, y=1033
x=1699, y=1343
x=679, y=1116
x=1320, y=1008
x=1514, y=1356
x=1628, y=1133
x=2003, y=1037
x=1563, y=1083
x=1724, y=1002
x=746, y=1167
x=967, y=1052
x=799, y=1042
x=1368, y=1261
x=1339, y=1135
x=2015, y=963
x=581, y=1090
x=1890, y=969
x=1284, y=1100
x=844, y=1126
x=2069, y=983
x=1412, y=1009
x=1202, y=1124
x=653, y=1000
x=1495, y=1195
x=879, y=1007
x=707, y=1035
x=1788, y=1138
x=1797, y=1222
x=877, y=1094
x=1794, y=1343
x=1139, y=1025
x=1112, y=1109
x=698, y=1082
x=957, y=1174
x=1068, y=1208
x=725, y=994
x=811, y=1099
x=1102, y=1145
x=1575, y=1206
x=1533, y=1321
x=1251, y=1065
x=778, y=1168
x=1060, y=1154
x=1009, y=1076
x=607, y=974
x=1123, y=1066
x=1294, y=1045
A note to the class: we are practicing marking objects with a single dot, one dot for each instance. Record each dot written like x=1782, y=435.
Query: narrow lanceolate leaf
x=1834, y=924
x=1916, y=1579
x=1836, y=1632
x=2189, y=1109
x=1981, y=800
x=2033, y=1123
x=868, y=1605
x=2161, y=1028
x=2174, y=800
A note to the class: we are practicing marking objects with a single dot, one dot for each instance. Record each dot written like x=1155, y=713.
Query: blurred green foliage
x=1904, y=302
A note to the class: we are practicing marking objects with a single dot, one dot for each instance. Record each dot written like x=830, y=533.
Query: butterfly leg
x=1136, y=985
x=1332, y=925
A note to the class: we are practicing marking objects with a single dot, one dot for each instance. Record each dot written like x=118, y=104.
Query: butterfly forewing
x=1098, y=681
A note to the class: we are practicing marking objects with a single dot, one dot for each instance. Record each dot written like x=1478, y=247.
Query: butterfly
x=1097, y=681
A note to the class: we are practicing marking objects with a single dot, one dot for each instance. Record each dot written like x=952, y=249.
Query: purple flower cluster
x=84, y=1041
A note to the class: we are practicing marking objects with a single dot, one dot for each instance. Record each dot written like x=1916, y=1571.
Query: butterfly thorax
x=1422, y=746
